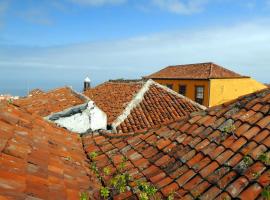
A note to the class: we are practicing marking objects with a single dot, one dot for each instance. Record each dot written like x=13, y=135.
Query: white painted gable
x=80, y=119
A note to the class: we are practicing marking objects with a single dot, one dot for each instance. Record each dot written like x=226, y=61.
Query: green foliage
x=105, y=192
x=106, y=171
x=146, y=191
x=266, y=193
x=265, y=158
x=10, y=101
x=256, y=174
x=229, y=129
x=120, y=182
x=94, y=168
x=84, y=196
x=92, y=155
x=171, y=196
x=247, y=160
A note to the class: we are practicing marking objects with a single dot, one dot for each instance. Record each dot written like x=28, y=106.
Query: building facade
x=206, y=83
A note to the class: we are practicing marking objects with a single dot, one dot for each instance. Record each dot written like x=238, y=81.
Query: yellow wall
x=190, y=87
x=223, y=90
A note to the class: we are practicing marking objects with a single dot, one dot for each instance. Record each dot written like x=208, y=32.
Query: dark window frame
x=199, y=100
x=180, y=91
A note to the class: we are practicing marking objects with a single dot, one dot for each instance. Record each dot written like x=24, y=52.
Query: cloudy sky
x=52, y=43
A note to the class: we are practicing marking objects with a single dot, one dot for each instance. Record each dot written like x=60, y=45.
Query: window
x=169, y=86
x=199, y=94
x=182, y=90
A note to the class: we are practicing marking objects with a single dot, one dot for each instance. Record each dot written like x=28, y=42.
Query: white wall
x=92, y=118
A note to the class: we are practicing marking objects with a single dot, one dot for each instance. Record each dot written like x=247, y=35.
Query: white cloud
x=98, y=2
x=243, y=48
x=180, y=6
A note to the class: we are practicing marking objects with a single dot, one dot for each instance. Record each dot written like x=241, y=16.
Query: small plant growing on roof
x=243, y=165
x=119, y=181
x=230, y=128
x=84, y=196
x=265, y=158
x=171, y=196
x=255, y=175
x=146, y=190
x=105, y=192
x=266, y=193
x=10, y=101
x=92, y=155
x=247, y=160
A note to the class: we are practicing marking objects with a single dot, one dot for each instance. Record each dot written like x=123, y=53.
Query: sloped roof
x=39, y=160
x=112, y=97
x=133, y=106
x=212, y=155
x=53, y=101
x=158, y=106
x=195, y=71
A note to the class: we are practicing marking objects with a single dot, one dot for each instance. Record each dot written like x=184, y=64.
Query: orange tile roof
x=39, y=160
x=216, y=154
x=195, y=71
x=157, y=105
x=44, y=104
x=113, y=97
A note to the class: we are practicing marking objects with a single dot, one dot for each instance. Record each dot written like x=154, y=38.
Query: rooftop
x=113, y=97
x=136, y=105
x=39, y=160
x=45, y=103
x=195, y=71
x=221, y=153
x=218, y=153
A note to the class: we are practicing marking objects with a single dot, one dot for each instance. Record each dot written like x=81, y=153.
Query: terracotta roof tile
x=194, y=71
x=39, y=160
x=113, y=97
x=155, y=106
x=212, y=156
x=44, y=104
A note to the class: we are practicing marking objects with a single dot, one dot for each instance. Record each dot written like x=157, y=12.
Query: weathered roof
x=158, y=106
x=113, y=97
x=39, y=160
x=53, y=101
x=195, y=71
x=222, y=153
x=133, y=106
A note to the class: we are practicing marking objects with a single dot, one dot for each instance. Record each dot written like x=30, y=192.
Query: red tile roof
x=44, y=104
x=220, y=153
x=194, y=71
x=133, y=106
x=158, y=106
x=39, y=160
x=113, y=97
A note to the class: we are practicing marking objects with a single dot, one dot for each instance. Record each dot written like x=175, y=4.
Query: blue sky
x=52, y=43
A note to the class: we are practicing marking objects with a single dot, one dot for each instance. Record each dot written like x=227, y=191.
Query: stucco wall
x=190, y=87
x=223, y=90
x=82, y=120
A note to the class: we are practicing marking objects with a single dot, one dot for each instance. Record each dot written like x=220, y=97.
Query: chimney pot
x=86, y=84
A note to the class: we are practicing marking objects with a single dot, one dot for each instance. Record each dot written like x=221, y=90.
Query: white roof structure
x=87, y=80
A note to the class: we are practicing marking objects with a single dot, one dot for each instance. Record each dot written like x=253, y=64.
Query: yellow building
x=206, y=83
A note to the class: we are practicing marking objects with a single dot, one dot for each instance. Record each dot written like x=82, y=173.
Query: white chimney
x=86, y=84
